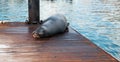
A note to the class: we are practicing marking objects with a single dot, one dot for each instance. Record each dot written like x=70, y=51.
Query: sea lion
x=53, y=25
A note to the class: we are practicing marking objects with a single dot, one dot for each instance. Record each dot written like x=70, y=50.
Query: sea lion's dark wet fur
x=51, y=26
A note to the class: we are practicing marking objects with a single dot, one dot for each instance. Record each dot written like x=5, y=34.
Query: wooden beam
x=33, y=11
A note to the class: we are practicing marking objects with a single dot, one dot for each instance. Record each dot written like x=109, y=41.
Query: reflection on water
x=98, y=20
x=13, y=10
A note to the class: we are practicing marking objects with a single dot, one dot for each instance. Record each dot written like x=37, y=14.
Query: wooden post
x=33, y=11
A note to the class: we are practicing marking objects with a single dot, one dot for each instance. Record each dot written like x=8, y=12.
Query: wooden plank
x=17, y=45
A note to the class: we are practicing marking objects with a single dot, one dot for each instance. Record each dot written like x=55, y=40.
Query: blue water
x=98, y=20
x=13, y=10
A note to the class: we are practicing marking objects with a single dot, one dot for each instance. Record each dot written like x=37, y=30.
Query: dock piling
x=33, y=10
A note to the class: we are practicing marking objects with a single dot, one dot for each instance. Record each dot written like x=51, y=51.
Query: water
x=98, y=20
x=13, y=10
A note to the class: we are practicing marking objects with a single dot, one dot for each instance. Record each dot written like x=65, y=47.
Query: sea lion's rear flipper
x=67, y=28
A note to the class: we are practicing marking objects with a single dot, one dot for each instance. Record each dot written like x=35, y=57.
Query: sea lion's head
x=38, y=33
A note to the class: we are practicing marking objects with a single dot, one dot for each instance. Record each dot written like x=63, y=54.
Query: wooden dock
x=17, y=45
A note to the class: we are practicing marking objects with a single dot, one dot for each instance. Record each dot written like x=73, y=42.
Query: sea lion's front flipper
x=41, y=22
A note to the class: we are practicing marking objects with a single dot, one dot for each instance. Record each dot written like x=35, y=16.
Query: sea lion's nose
x=35, y=35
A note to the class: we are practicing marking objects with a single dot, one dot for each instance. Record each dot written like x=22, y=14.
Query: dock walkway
x=17, y=45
